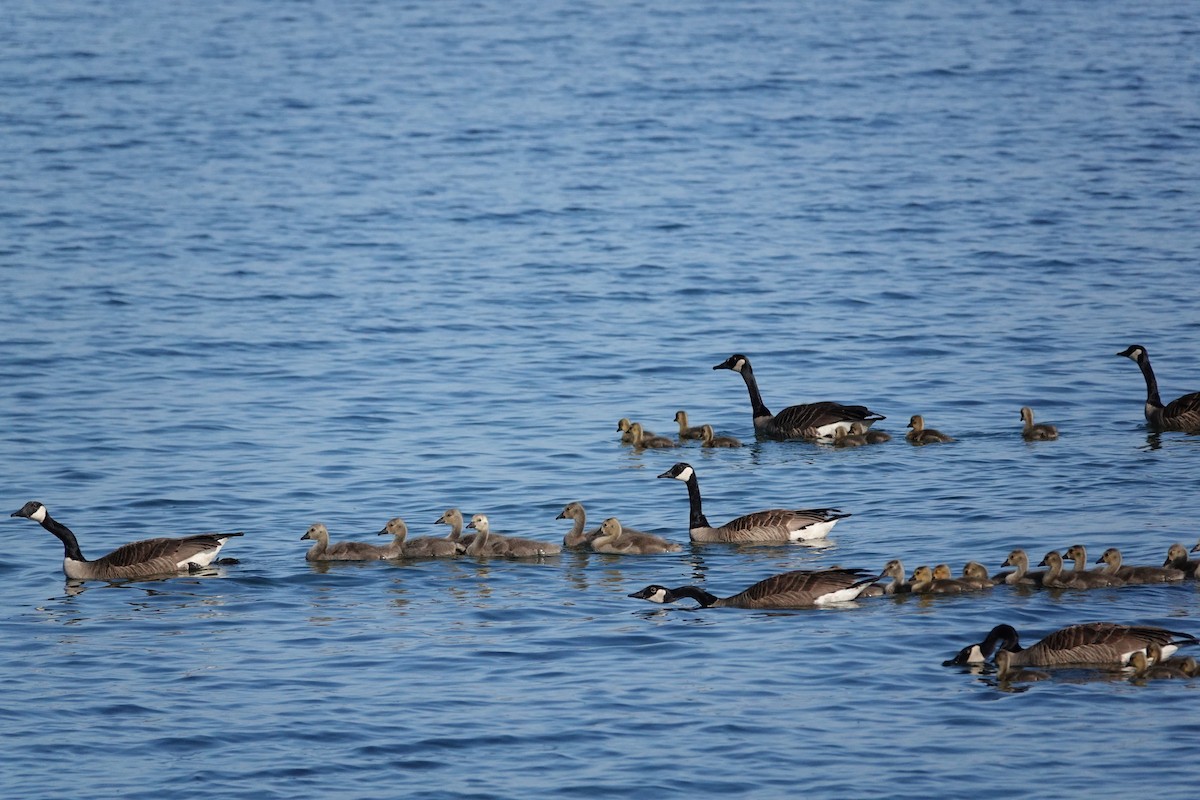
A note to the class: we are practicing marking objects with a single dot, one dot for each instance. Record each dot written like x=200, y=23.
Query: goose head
x=1196, y=549
x=1176, y=554
x=916, y=422
x=623, y=424
x=1112, y=557
x=1017, y=558
x=395, y=527
x=973, y=569
x=479, y=522
x=636, y=432
x=894, y=570
x=571, y=511
x=317, y=532
x=1052, y=560
x=32, y=510
x=1076, y=553
x=681, y=417
x=857, y=429
x=1005, y=636
x=655, y=594
x=1134, y=352
x=610, y=527
x=1138, y=663
x=736, y=362
x=451, y=516
x=1027, y=415
x=922, y=574
x=941, y=572
x=680, y=472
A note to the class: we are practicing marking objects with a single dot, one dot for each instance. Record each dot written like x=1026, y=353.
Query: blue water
x=266, y=264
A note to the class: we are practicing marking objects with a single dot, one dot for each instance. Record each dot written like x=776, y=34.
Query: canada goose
x=341, y=551
x=1055, y=578
x=894, y=569
x=709, y=439
x=1098, y=643
x=511, y=546
x=1146, y=666
x=1182, y=414
x=576, y=537
x=625, y=427
x=643, y=440
x=1177, y=557
x=924, y=582
x=1137, y=575
x=142, y=559
x=922, y=435
x=1078, y=554
x=873, y=436
x=804, y=421
x=422, y=546
x=1007, y=673
x=617, y=540
x=799, y=589
x=1019, y=561
x=1036, y=433
x=843, y=439
x=686, y=432
x=976, y=574
x=1187, y=664
x=773, y=525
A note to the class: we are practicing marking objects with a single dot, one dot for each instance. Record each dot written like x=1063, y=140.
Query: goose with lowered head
x=798, y=589
x=1092, y=643
x=774, y=525
x=142, y=559
x=804, y=421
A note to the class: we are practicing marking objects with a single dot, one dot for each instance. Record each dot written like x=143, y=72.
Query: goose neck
x=702, y=597
x=70, y=543
x=1152, y=397
x=758, y=407
x=696, y=518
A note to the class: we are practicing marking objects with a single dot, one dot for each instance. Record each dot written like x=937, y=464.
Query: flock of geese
x=1147, y=650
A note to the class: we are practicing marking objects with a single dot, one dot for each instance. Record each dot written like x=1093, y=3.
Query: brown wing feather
x=780, y=522
x=1095, y=642
x=795, y=589
x=135, y=553
x=804, y=419
x=1184, y=413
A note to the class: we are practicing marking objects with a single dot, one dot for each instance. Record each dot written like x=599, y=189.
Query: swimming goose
x=1177, y=557
x=773, y=525
x=643, y=440
x=1137, y=575
x=1181, y=414
x=843, y=439
x=1019, y=561
x=618, y=540
x=976, y=575
x=873, y=436
x=626, y=429
x=1099, y=643
x=511, y=546
x=804, y=421
x=925, y=582
x=1036, y=433
x=576, y=537
x=1055, y=578
x=142, y=559
x=709, y=439
x=1186, y=664
x=942, y=573
x=799, y=589
x=894, y=570
x=922, y=435
x=422, y=546
x=1007, y=673
x=686, y=432
x=342, y=551
x=1146, y=667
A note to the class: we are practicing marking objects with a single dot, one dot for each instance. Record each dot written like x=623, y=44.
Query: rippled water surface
x=272, y=263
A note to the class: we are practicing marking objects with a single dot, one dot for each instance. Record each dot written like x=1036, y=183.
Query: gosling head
x=451, y=516
x=316, y=531
x=479, y=522
x=571, y=511
x=395, y=527
x=610, y=527
x=916, y=422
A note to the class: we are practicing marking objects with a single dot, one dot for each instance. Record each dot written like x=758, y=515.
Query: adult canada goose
x=922, y=435
x=686, y=432
x=1137, y=575
x=143, y=559
x=511, y=546
x=799, y=589
x=643, y=440
x=1036, y=433
x=1055, y=578
x=617, y=540
x=873, y=436
x=843, y=439
x=1020, y=575
x=1182, y=414
x=422, y=546
x=773, y=525
x=976, y=575
x=1098, y=643
x=709, y=439
x=1007, y=673
x=1177, y=557
x=322, y=550
x=804, y=421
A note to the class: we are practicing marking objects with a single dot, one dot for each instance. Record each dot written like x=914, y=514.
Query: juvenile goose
x=1177, y=557
x=1185, y=664
x=799, y=589
x=873, y=436
x=773, y=525
x=1145, y=667
x=643, y=440
x=943, y=577
x=976, y=575
x=843, y=439
x=625, y=426
x=454, y=518
x=577, y=537
x=1021, y=575
x=322, y=550
x=510, y=546
x=1007, y=673
x=1137, y=575
x=615, y=539
x=142, y=559
x=1181, y=414
x=897, y=585
x=422, y=546
x=1055, y=578
x=804, y=421
x=686, y=432
x=925, y=582
x=709, y=439
x=1036, y=433
x=1098, y=643
x=922, y=435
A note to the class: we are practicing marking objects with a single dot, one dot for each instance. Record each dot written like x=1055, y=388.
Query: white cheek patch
x=659, y=596
x=685, y=475
x=39, y=516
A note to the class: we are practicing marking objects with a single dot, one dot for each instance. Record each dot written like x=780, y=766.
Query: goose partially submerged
x=1006, y=672
x=1151, y=666
x=323, y=550
x=799, y=589
x=1092, y=643
x=1181, y=414
x=1036, y=433
x=615, y=539
x=773, y=525
x=422, y=546
x=804, y=421
x=143, y=559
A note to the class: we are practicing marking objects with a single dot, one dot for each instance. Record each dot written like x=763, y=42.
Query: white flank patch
x=841, y=595
x=200, y=559
x=817, y=530
x=827, y=431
